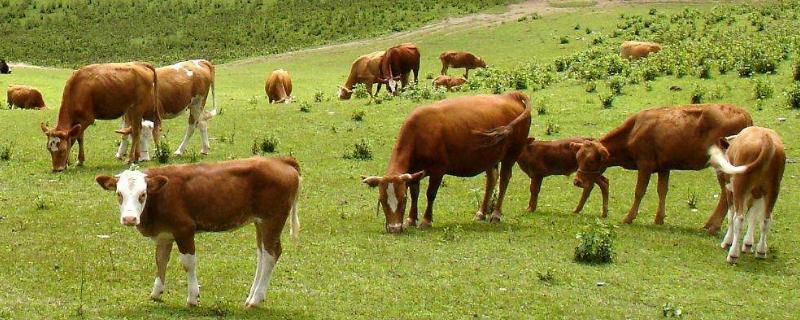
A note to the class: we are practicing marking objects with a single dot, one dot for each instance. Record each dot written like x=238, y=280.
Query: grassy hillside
x=58, y=263
x=72, y=33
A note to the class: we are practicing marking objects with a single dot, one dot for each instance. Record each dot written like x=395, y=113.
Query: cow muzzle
x=394, y=228
x=129, y=221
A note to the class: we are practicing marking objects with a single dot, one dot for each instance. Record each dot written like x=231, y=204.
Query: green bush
x=319, y=96
x=616, y=83
x=606, y=100
x=360, y=91
x=590, y=87
x=762, y=89
x=358, y=115
x=305, y=107
x=698, y=94
x=796, y=71
x=265, y=145
x=595, y=244
x=5, y=153
x=163, y=152
x=563, y=40
x=361, y=151
x=792, y=95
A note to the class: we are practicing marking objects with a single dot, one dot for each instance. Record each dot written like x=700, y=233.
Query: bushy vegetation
x=596, y=243
x=361, y=150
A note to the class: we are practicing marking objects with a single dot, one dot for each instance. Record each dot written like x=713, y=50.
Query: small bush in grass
x=319, y=96
x=5, y=153
x=588, y=31
x=358, y=115
x=762, y=89
x=606, y=99
x=194, y=156
x=793, y=96
x=163, y=152
x=547, y=276
x=577, y=27
x=253, y=100
x=41, y=202
x=590, y=87
x=411, y=93
x=551, y=128
x=305, y=107
x=648, y=85
x=563, y=40
x=541, y=108
x=705, y=71
x=536, y=16
x=361, y=151
x=265, y=145
x=360, y=91
x=653, y=11
x=616, y=83
x=698, y=94
x=599, y=40
x=692, y=200
x=429, y=76
x=595, y=244
x=668, y=310
x=796, y=71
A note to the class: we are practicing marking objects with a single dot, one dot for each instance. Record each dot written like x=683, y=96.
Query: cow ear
x=44, y=127
x=124, y=131
x=724, y=143
x=75, y=131
x=575, y=146
x=604, y=155
x=413, y=176
x=107, y=182
x=155, y=184
x=531, y=140
x=371, y=181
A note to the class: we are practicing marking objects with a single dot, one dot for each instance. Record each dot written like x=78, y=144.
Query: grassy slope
x=344, y=265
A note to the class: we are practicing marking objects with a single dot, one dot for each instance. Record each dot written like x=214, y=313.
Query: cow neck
x=400, y=161
x=616, y=143
x=65, y=120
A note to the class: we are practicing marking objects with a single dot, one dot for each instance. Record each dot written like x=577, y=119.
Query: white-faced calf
x=172, y=203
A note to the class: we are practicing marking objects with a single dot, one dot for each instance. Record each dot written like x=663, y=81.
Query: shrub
x=590, y=87
x=692, y=200
x=358, y=115
x=588, y=31
x=563, y=40
x=429, y=76
x=253, y=100
x=599, y=40
x=541, y=108
x=606, y=100
x=705, y=71
x=41, y=202
x=796, y=71
x=536, y=16
x=762, y=89
x=361, y=151
x=163, y=151
x=5, y=153
x=551, y=128
x=360, y=91
x=305, y=107
x=616, y=83
x=319, y=96
x=653, y=11
x=793, y=96
x=265, y=145
x=595, y=244
x=698, y=94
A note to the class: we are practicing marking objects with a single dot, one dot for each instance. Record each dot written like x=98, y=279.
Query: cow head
x=592, y=159
x=481, y=63
x=132, y=188
x=392, y=196
x=344, y=93
x=59, y=143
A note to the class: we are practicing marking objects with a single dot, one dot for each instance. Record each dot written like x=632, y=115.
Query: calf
x=460, y=59
x=172, y=203
x=279, y=87
x=448, y=82
x=540, y=159
x=24, y=97
x=633, y=50
x=753, y=168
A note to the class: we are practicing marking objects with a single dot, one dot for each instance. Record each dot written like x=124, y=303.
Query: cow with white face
x=172, y=203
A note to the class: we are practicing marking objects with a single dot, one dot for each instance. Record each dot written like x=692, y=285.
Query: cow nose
x=57, y=170
x=577, y=183
x=129, y=221
x=394, y=228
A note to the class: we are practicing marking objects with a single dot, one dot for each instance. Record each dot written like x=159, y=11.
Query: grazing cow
x=4, y=68
x=633, y=50
x=448, y=82
x=659, y=140
x=367, y=70
x=461, y=137
x=173, y=203
x=540, y=159
x=103, y=91
x=753, y=168
x=24, y=97
x=460, y=59
x=398, y=62
x=279, y=87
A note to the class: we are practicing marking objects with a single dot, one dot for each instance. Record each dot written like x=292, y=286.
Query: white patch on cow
x=391, y=198
x=189, y=262
x=158, y=289
x=266, y=263
x=189, y=73
x=197, y=63
x=395, y=226
x=392, y=85
x=132, y=187
x=52, y=143
x=177, y=66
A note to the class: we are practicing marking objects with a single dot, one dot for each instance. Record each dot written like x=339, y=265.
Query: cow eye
x=119, y=197
x=142, y=197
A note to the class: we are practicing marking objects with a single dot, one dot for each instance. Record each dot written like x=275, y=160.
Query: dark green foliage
x=606, y=100
x=305, y=107
x=319, y=96
x=616, y=83
x=563, y=40
x=358, y=115
x=361, y=151
x=265, y=145
x=698, y=94
x=762, y=89
x=360, y=91
x=551, y=128
x=796, y=71
x=793, y=96
x=5, y=153
x=595, y=244
x=590, y=87
x=163, y=152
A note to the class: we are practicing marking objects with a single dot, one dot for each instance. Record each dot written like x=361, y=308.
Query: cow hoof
x=411, y=223
x=79, y=164
x=249, y=306
x=761, y=255
x=747, y=248
x=425, y=224
x=712, y=230
x=480, y=216
x=658, y=221
x=177, y=153
x=732, y=260
x=494, y=219
x=627, y=220
x=531, y=209
x=156, y=298
x=191, y=304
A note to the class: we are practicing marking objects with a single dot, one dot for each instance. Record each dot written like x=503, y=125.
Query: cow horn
x=371, y=181
x=44, y=127
x=124, y=131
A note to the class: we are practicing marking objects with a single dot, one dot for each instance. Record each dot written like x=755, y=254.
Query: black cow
x=4, y=68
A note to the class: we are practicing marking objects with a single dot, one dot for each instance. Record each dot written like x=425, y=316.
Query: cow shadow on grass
x=209, y=310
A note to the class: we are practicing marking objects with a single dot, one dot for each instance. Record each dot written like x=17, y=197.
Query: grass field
x=56, y=261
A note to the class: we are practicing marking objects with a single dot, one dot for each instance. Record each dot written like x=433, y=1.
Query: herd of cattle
x=461, y=136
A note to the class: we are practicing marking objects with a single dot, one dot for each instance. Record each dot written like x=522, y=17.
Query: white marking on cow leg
x=728, y=239
x=738, y=220
x=158, y=289
x=749, y=237
x=391, y=197
x=761, y=249
x=186, y=137
x=123, y=147
x=267, y=265
x=203, y=126
x=163, y=249
x=256, y=276
x=145, y=140
x=189, y=262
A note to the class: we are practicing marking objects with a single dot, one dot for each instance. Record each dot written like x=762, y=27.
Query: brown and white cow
x=633, y=50
x=398, y=62
x=659, y=140
x=540, y=159
x=461, y=137
x=367, y=70
x=460, y=59
x=173, y=203
x=753, y=168
x=24, y=97
x=448, y=82
x=279, y=87
x=181, y=86
x=104, y=92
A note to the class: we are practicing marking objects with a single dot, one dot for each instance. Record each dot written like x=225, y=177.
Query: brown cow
x=24, y=97
x=279, y=87
x=103, y=91
x=448, y=82
x=753, y=168
x=462, y=137
x=398, y=62
x=633, y=50
x=540, y=159
x=173, y=203
x=660, y=140
x=367, y=70
x=460, y=59
x=181, y=86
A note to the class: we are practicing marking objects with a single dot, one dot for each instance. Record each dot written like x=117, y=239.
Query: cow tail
x=207, y=115
x=720, y=161
x=496, y=135
x=294, y=231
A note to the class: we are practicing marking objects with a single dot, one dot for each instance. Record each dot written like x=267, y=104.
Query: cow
x=658, y=140
x=448, y=82
x=540, y=159
x=460, y=59
x=753, y=168
x=279, y=87
x=634, y=50
x=24, y=97
x=367, y=70
x=461, y=137
x=172, y=203
x=104, y=92
x=397, y=63
x=4, y=68
x=181, y=86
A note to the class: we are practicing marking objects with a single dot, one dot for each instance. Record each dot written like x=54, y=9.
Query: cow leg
x=740, y=201
x=433, y=186
x=663, y=187
x=584, y=196
x=536, y=186
x=603, y=184
x=189, y=263
x=505, y=177
x=194, y=119
x=412, y=212
x=714, y=221
x=642, y=179
x=491, y=181
x=203, y=124
x=163, y=249
x=404, y=80
x=416, y=74
x=81, y=154
x=754, y=215
x=769, y=205
x=466, y=73
x=369, y=89
x=259, y=263
x=270, y=250
x=728, y=239
x=136, y=135
x=444, y=69
x=123, y=147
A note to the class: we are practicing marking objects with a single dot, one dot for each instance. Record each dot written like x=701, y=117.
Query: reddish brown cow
x=279, y=87
x=633, y=50
x=448, y=82
x=461, y=137
x=460, y=59
x=103, y=91
x=367, y=70
x=659, y=140
x=753, y=169
x=541, y=159
x=172, y=203
x=398, y=62
x=24, y=97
